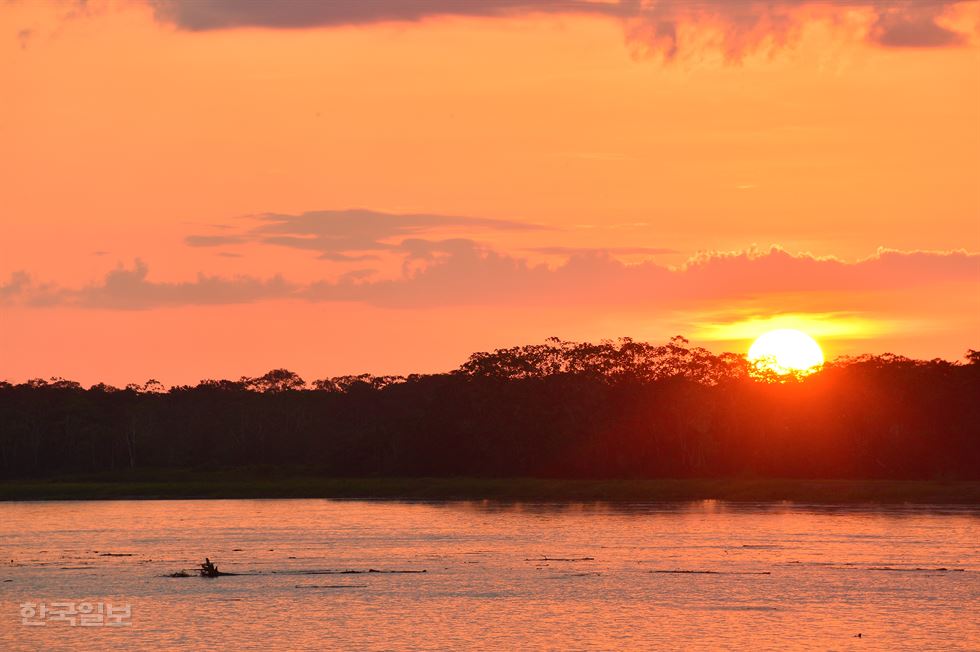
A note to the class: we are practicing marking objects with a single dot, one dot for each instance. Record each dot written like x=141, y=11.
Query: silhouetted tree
x=571, y=409
x=277, y=380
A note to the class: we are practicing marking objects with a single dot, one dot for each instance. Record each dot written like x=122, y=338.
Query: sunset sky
x=206, y=188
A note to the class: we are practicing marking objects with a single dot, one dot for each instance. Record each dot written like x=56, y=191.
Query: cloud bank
x=664, y=27
x=130, y=289
x=473, y=275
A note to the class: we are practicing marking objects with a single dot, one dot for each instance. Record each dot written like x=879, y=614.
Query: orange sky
x=194, y=189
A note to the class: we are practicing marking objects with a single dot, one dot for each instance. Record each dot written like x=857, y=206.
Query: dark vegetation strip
x=575, y=411
x=238, y=485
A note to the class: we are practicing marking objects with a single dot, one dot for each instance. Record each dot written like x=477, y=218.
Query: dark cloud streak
x=199, y=15
x=652, y=26
x=357, y=234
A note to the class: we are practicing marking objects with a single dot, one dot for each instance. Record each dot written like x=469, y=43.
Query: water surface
x=525, y=576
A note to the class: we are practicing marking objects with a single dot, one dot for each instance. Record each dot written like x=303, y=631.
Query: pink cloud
x=472, y=275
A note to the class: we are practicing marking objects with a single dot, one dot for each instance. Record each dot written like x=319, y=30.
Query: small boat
x=209, y=570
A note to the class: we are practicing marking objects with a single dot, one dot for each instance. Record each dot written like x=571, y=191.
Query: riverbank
x=173, y=485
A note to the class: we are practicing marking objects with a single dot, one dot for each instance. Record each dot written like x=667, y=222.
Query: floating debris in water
x=349, y=571
x=331, y=586
x=913, y=570
x=560, y=559
x=713, y=572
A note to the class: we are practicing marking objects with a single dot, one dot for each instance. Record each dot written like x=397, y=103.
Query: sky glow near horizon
x=208, y=189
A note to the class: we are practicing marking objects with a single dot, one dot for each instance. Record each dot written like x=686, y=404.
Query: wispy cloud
x=213, y=240
x=359, y=234
x=747, y=324
x=615, y=251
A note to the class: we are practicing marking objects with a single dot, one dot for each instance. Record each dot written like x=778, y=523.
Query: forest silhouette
x=616, y=409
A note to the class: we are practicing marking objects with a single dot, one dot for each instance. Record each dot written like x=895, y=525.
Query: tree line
x=558, y=409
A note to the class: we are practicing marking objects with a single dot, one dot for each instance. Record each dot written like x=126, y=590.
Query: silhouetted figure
x=208, y=569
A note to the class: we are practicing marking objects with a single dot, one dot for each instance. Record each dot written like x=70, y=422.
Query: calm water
x=786, y=577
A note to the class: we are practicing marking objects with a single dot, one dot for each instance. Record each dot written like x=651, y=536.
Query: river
x=701, y=575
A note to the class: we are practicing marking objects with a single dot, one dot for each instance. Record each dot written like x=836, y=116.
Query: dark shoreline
x=203, y=485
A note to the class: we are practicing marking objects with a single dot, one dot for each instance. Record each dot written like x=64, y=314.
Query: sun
x=786, y=350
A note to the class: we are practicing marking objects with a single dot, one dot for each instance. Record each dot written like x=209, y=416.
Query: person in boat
x=208, y=569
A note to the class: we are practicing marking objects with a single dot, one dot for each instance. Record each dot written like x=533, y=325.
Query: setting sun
x=786, y=350
x=598, y=303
